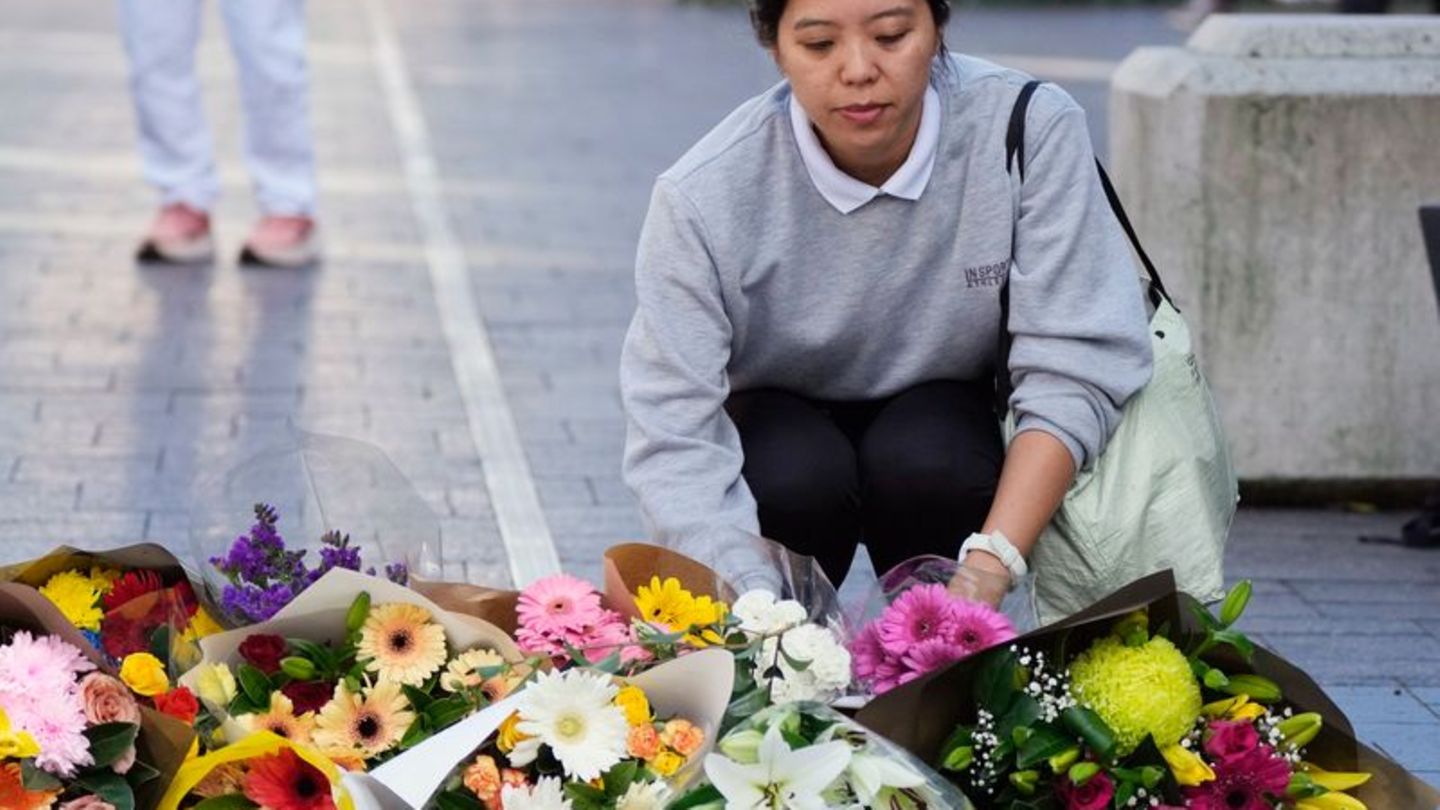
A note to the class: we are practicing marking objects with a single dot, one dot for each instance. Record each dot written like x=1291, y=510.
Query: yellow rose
x=635, y=704
x=144, y=674
x=1189, y=769
x=215, y=684
x=202, y=625
x=666, y=763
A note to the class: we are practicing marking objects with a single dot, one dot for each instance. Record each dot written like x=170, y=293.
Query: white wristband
x=998, y=544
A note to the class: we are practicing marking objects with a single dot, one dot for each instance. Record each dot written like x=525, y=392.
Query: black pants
x=908, y=475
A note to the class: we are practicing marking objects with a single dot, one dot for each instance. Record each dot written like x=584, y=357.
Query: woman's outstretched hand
x=981, y=578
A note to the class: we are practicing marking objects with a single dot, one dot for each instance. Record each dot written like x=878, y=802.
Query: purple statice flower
x=264, y=576
x=398, y=573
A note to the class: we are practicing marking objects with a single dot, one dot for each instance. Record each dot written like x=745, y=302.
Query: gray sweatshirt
x=746, y=277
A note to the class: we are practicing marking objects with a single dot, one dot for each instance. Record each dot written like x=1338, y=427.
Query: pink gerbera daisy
x=921, y=613
x=557, y=604
x=1250, y=781
x=976, y=626
x=872, y=665
x=932, y=654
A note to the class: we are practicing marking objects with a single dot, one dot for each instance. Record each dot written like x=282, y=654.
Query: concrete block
x=1273, y=167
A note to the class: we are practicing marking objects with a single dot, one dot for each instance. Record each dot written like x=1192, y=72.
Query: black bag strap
x=1015, y=160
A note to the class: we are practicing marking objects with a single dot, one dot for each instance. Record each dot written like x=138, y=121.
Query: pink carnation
x=558, y=604
x=40, y=694
x=87, y=803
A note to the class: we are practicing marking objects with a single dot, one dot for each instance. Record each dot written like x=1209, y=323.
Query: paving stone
x=1382, y=704
x=1414, y=746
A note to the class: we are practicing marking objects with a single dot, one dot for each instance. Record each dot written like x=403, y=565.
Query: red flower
x=308, y=696
x=1094, y=795
x=1251, y=781
x=284, y=781
x=263, y=652
x=179, y=703
x=130, y=586
x=1227, y=741
x=121, y=636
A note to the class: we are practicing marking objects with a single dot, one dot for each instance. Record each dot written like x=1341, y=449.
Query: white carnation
x=824, y=679
x=760, y=613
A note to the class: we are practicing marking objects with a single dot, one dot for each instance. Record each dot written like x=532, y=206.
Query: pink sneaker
x=179, y=235
x=282, y=241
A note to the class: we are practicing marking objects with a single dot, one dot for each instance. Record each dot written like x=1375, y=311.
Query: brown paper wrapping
x=164, y=742
x=64, y=558
x=921, y=714
x=630, y=565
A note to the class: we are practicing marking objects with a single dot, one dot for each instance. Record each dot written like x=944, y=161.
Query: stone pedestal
x=1274, y=166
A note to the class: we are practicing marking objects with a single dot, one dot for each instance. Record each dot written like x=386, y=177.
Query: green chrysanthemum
x=1138, y=691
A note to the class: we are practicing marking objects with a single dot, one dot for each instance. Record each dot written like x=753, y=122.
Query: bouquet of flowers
x=914, y=623
x=578, y=739
x=356, y=666
x=1135, y=703
x=263, y=771
x=69, y=730
x=807, y=755
x=347, y=494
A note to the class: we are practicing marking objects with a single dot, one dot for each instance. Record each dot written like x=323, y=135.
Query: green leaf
x=1023, y=713
x=699, y=797
x=418, y=699
x=1238, y=640
x=619, y=778
x=797, y=664
x=1088, y=726
x=110, y=741
x=255, y=685
x=582, y=793
x=108, y=786
x=1206, y=618
x=447, y=711
x=233, y=801
x=1045, y=741
x=414, y=735
x=141, y=774
x=160, y=642
x=455, y=800
x=35, y=779
x=995, y=682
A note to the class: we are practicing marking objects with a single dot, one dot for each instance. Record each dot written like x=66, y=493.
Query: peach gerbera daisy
x=402, y=644
x=371, y=721
x=281, y=720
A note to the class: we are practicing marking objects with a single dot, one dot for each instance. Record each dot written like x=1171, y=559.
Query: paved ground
x=121, y=388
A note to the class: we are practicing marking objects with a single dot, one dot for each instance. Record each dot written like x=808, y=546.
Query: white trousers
x=267, y=38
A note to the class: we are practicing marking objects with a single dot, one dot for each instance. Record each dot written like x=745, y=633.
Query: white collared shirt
x=847, y=193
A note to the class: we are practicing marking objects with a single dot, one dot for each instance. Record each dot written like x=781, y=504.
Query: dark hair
x=765, y=16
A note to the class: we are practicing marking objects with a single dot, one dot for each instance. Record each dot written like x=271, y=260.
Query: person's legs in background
x=801, y=468
x=160, y=39
x=268, y=40
x=929, y=465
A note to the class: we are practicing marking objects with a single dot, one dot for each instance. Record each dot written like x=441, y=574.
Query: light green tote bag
x=1163, y=493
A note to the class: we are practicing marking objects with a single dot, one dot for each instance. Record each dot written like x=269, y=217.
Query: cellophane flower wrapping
x=924, y=614
x=876, y=772
x=264, y=530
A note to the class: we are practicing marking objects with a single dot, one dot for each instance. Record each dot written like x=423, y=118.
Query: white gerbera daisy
x=574, y=713
x=547, y=794
x=644, y=796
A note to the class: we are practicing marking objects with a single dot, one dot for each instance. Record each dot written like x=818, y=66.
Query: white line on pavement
x=507, y=473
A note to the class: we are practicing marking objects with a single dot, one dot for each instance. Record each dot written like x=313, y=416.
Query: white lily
x=871, y=775
x=782, y=779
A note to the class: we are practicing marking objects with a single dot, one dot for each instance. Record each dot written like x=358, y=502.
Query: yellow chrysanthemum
x=510, y=734
x=402, y=644
x=15, y=744
x=1141, y=691
x=637, y=707
x=103, y=579
x=77, y=598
